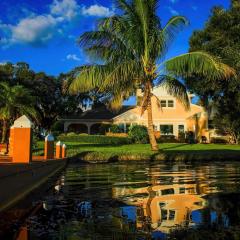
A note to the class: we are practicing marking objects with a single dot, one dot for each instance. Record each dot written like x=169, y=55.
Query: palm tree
x=130, y=49
x=14, y=101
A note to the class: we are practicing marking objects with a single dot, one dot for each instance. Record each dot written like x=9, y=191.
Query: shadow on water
x=147, y=201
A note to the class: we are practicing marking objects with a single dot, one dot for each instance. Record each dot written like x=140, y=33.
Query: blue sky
x=43, y=33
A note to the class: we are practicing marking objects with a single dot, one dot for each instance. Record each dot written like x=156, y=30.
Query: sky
x=44, y=33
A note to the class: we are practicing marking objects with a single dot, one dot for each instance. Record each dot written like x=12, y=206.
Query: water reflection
x=140, y=201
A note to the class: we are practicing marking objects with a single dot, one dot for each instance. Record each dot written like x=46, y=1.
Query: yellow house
x=169, y=117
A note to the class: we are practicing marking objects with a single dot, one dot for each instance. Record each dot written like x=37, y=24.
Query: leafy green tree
x=220, y=37
x=14, y=101
x=130, y=48
x=49, y=100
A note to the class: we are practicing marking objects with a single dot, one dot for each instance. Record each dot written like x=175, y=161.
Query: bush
x=71, y=134
x=182, y=137
x=167, y=139
x=218, y=140
x=138, y=134
x=58, y=126
x=95, y=139
x=190, y=137
x=104, y=128
x=115, y=129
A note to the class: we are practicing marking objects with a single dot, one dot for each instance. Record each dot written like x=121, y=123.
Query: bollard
x=58, y=150
x=21, y=140
x=49, y=147
x=64, y=151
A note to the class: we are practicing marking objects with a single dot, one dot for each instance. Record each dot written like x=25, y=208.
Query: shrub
x=138, y=134
x=182, y=137
x=167, y=139
x=95, y=139
x=190, y=137
x=115, y=129
x=104, y=128
x=71, y=134
x=58, y=126
x=218, y=140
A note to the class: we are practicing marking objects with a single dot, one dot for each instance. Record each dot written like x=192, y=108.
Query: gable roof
x=101, y=113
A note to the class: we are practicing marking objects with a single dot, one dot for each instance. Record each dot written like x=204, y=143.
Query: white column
x=175, y=130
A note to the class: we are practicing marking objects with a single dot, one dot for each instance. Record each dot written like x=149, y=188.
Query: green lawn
x=95, y=151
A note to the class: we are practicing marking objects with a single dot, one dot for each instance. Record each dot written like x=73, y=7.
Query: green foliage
x=47, y=95
x=14, y=101
x=221, y=38
x=94, y=139
x=58, y=126
x=104, y=128
x=167, y=139
x=115, y=129
x=138, y=133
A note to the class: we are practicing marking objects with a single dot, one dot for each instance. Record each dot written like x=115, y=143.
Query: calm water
x=140, y=201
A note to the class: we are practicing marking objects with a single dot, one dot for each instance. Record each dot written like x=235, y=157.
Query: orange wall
x=22, y=145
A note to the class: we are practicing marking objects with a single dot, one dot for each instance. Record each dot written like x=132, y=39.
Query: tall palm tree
x=130, y=49
x=14, y=101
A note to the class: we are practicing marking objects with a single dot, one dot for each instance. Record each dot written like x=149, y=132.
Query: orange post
x=22, y=140
x=58, y=150
x=49, y=147
x=11, y=142
x=64, y=151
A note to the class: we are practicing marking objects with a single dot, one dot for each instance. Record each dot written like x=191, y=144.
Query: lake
x=139, y=201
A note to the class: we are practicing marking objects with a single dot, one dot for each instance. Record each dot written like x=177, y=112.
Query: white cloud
x=73, y=57
x=37, y=30
x=34, y=30
x=67, y=9
x=173, y=11
x=97, y=10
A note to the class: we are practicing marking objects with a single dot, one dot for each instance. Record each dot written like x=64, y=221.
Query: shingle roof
x=98, y=113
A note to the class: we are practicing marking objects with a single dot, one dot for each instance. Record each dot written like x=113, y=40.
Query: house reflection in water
x=165, y=207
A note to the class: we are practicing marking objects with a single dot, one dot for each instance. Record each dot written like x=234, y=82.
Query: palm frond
x=88, y=78
x=175, y=88
x=199, y=63
x=169, y=32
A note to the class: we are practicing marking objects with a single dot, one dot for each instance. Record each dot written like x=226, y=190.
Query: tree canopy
x=220, y=37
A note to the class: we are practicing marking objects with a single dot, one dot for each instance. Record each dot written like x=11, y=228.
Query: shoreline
x=98, y=157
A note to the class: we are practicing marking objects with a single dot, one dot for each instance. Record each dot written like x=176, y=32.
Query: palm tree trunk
x=151, y=135
x=4, y=131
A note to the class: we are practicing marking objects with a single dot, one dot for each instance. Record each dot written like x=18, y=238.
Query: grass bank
x=105, y=152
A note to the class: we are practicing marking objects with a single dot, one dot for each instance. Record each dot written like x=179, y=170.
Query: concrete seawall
x=18, y=180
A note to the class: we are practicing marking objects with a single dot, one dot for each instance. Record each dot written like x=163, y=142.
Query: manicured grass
x=92, y=152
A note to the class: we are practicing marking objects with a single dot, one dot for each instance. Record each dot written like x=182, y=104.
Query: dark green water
x=140, y=201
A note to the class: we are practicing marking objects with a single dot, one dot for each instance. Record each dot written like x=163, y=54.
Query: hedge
x=97, y=139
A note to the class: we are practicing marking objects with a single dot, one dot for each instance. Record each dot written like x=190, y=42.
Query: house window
x=182, y=190
x=163, y=103
x=167, y=103
x=155, y=127
x=171, y=215
x=170, y=103
x=168, y=191
x=164, y=214
x=166, y=129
